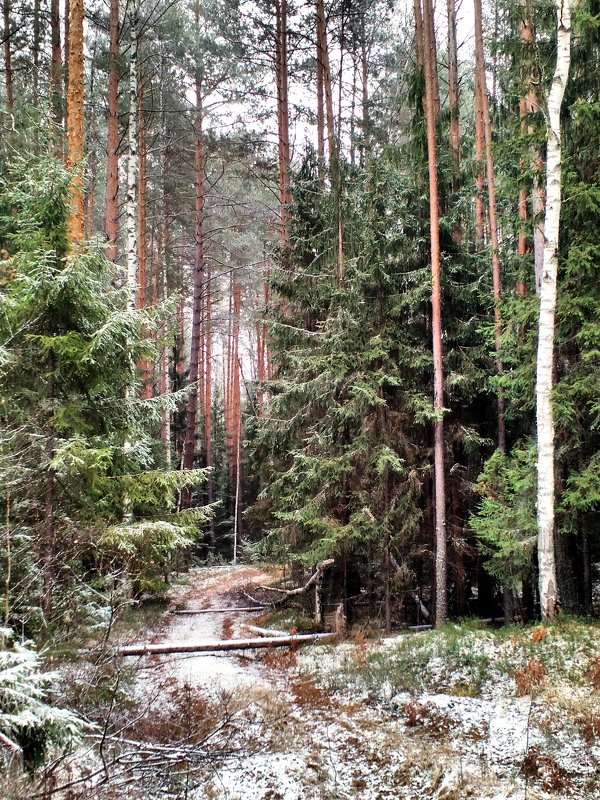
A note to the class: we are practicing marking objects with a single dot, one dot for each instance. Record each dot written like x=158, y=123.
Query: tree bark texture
x=111, y=219
x=8, y=75
x=132, y=163
x=189, y=443
x=545, y=352
x=453, y=93
x=493, y=216
x=283, y=123
x=56, y=75
x=75, y=125
x=430, y=68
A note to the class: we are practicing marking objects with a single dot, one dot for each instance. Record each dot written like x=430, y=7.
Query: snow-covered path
x=210, y=587
x=323, y=744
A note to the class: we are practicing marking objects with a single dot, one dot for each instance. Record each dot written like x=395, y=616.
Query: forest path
x=209, y=587
x=299, y=740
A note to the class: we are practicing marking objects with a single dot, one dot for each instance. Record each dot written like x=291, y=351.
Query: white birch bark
x=132, y=166
x=545, y=353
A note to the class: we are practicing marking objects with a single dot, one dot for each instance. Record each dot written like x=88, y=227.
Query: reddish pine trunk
x=453, y=92
x=208, y=399
x=67, y=49
x=281, y=69
x=493, y=217
x=111, y=220
x=75, y=125
x=430, y=68
x=479, y=181
x=236, y=411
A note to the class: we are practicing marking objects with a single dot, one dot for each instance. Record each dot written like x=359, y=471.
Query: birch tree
x=548, y=291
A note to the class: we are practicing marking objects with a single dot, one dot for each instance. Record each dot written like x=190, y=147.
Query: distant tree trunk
x=320, y=99
x=145, y=366
x=548, y=291
x=364, y=67
x=283, y=124
x=326, y=72
x=56, y=70
x=493, y=217
x=49, y=533
x=453, y=94
x=8, y=75
x=236, y=413
x=430, y=68
x=90, y=195
x=479, y=148
x=75, y=125
x=525, y=108
x=36, y=53
x=189, y=442
x=111, y=219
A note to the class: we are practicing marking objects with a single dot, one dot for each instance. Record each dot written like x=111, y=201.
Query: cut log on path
x=217, y=646
x=266, y=631
x=244, y=610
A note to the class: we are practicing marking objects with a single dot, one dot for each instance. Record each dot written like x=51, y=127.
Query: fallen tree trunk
x=302, y=589
x=266, y=631
x=218, y=645
x=244, y=609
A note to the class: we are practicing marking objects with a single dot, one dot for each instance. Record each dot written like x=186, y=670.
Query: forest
x=299, y=316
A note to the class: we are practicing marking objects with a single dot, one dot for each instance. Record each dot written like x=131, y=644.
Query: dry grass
x=530, y=678
x=545, y=769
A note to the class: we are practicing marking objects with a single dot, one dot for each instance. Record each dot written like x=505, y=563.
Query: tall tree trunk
x=326, y=71
x=430, y=67
x=479, y=148
x=526, y=107
x=111, y=219
x=75, y=125
x=493, y=216
x=36, y=53
x=67, y=5
x=453, y=94
x=145, y=366
x=189, y=443
x=320, y=101
x=284, y=152
x=236, y=414
x=364, y=67
x=56, y=70
x=132, y=162
x=8, y=74
x=49, y=533
x=208, y=400
x=548, y=291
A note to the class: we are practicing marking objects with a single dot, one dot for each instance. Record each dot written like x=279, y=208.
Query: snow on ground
x=328, y=736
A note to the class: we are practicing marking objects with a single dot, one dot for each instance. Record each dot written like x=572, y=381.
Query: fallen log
x=217, y=646
x=266, y=631
x=321, y=567
x=244, y=609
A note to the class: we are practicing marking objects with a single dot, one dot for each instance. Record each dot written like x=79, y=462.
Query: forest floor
x=461, y=713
